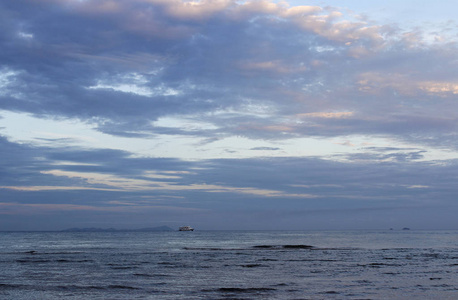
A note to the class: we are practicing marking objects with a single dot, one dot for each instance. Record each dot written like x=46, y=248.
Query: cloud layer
x=209, y=71
x=256, y=69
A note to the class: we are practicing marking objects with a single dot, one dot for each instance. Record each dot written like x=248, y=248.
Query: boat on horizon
x=186, y=228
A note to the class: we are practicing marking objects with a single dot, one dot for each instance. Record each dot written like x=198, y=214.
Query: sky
x=228, y=115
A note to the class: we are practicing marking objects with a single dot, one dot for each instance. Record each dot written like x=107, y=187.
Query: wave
x=35, y=252
x=11, y=286
x=379, y=265
x=122, y=266
x=96, y=287
x=152, y=275
x=28, y=261
x=283, y=247
x=233, y=290
x=80, y=287
x=123, y=287
x=253, y=265
x=38, y=260
x=257, y=247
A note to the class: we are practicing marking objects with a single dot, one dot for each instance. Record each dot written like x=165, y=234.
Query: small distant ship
x=186, y=228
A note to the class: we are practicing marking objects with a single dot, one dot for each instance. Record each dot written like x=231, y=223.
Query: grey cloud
x=305, y=186
x=266, y=148
x=284, y=174
x=217, y=63
x=398, y=156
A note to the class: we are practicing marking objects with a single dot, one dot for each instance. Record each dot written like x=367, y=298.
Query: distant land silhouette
x=92, y=229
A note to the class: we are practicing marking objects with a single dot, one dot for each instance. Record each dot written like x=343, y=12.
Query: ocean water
x=229, y=265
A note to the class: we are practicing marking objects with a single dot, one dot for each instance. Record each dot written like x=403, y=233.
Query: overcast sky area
x=225, y=114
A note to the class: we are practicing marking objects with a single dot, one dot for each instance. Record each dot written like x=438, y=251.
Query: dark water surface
x=229, y=265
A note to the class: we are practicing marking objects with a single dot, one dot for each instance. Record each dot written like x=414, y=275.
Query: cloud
x=33, y=209
x=327, y=115
x=266, y=148
x=224, y=77
x=50, y=188
x=108, y=181
x=401, y=83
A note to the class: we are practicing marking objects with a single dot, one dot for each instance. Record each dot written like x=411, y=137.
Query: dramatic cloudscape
x=225, y=114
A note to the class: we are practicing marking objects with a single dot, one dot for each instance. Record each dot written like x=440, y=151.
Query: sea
x=391, y=264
